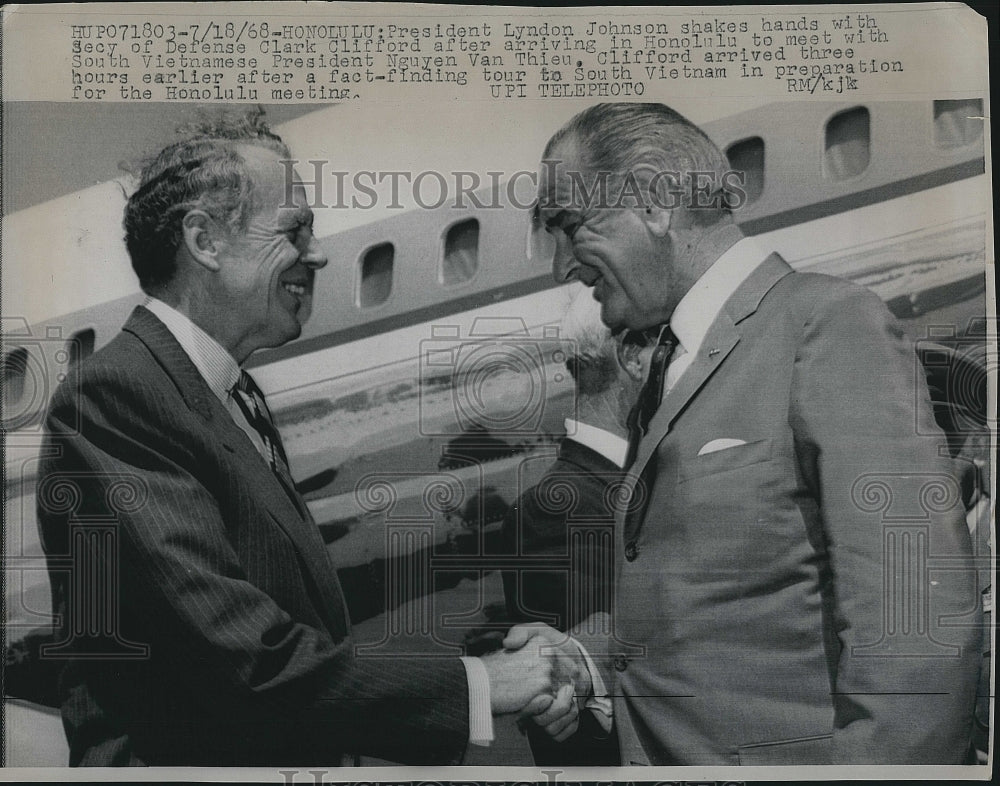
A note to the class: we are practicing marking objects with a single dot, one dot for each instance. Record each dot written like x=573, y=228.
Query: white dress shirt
x=702, y=303
x=221, y=372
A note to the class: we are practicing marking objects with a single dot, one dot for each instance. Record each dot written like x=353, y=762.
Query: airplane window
x=957, y=123
x=848, y=144
x=80, y=346
x=15, y=368
x=747, y=156
x=461, y=252
x=376, y=275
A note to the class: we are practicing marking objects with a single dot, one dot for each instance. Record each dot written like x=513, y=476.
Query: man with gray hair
x=224, y=638
x=561, y=529
x=580, y=485
x=762, y=611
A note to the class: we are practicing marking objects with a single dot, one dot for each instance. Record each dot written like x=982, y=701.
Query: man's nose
x=314, y=256
x=564, y=264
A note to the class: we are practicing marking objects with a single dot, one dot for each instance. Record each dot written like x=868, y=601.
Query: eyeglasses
x=542, y=240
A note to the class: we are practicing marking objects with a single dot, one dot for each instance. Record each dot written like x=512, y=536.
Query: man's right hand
x=568, y=664
x=519, y=675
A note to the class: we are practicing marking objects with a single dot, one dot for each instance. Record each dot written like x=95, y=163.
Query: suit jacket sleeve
x=868, y=447
x=182, y=561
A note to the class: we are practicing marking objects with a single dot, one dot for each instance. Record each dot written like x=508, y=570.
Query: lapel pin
x=713, y=352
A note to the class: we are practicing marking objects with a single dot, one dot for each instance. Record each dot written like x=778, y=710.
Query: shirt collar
x=611, y=446
x=698, y=308
x=217, y=367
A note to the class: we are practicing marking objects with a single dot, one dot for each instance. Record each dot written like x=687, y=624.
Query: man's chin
x=289, y=331
x=293, y=332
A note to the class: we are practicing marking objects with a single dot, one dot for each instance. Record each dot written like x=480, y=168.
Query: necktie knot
x=246, y=385
x=250, y=400
x=652, y=391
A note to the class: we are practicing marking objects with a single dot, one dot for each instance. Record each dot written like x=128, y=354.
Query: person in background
x=568, y=516
x=561, y=529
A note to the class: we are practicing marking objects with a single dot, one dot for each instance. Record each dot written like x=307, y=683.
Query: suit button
x=631, y=551
x=620, y=663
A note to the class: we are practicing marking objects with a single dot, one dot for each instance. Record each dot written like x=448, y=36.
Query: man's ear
x=631, y=356
x=201, y=238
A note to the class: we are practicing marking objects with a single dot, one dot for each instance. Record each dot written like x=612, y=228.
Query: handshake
x=541, y=674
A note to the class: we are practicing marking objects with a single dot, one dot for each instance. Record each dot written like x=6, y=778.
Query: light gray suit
x=766, y=611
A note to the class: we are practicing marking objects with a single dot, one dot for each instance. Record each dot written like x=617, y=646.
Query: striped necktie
x=250, y=400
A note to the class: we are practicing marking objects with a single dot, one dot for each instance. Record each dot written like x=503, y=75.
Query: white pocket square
x=720, y=444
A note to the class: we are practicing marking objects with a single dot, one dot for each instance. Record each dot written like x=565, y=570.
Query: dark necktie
x=259, y=418
x=651, y=392
x=638, y=422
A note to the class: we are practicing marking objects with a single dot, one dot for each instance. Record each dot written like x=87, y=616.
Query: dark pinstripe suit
x=250, y=656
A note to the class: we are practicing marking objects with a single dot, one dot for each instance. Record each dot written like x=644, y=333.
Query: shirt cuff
x=480, y=715
x=599, y=701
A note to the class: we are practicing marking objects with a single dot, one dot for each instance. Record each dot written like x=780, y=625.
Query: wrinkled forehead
x=276, y=184
x=559, y=172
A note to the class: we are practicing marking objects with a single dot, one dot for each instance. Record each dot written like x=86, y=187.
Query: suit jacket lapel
x=281, y=502
x=144, y=325
x=723, y=335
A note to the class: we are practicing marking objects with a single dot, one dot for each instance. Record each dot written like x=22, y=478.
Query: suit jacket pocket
x=724, y=460
x=798, y=750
